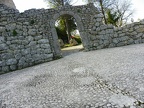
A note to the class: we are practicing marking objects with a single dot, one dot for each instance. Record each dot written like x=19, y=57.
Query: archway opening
x=69, y=35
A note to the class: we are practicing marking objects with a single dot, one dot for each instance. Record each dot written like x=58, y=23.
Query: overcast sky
x=22, y=5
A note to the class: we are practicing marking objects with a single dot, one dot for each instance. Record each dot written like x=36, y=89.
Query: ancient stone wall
x=30, y=37
x=23, y=40
x=108, y=36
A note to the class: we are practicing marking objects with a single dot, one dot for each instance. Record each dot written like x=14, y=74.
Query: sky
x=22, y=5
x=138, y=6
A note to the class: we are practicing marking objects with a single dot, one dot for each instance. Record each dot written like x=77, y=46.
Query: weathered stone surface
x=21, y=61
x=1, y=40
x=115, y=41
x=5, y=69
x=3, y=47
x=45, y=46
x=13, y=67
x=7, y=56
x=32, y=32
x=2, y=29
x=2, y=63
x=11, y=62
x=43, y=41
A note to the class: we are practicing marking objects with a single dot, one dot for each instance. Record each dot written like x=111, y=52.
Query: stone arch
x=79, y=25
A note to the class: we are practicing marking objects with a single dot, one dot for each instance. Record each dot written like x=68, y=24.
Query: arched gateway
x=30, y=37
x=80, y=26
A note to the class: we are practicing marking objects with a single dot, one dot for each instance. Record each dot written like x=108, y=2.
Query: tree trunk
x=102, y=9
x=62, y=2
x=67, y=29
x=67, y=24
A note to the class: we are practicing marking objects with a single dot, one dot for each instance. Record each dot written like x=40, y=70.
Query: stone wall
x=23, y=41
x=108, y=36
x=30, y=37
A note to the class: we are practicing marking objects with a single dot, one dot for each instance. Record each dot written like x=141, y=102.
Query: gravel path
x=71, y=50
x=108, y=78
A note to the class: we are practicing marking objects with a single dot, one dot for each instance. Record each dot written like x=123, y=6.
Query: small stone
x=45, y=46
x=32, y=32
x=43, y=41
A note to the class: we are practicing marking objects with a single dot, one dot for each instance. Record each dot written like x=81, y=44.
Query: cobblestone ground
x=108, y=78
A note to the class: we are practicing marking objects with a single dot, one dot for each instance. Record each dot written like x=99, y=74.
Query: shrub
x=14, y=33
x=78, y=39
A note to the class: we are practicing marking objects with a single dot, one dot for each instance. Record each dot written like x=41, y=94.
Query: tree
x=121, y=7
x=102, y=5
x=67, y=27
x=124, y=8
x=113, y=18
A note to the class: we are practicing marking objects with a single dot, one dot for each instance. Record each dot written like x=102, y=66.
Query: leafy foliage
x=15, y=33
x=32, y=22
x=64, y=28
x=112, y=18
x=116, y=7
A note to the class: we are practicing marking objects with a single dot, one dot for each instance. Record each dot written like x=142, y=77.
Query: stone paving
x=108, y=78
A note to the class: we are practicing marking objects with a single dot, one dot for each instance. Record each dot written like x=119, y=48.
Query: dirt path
x=70, y=50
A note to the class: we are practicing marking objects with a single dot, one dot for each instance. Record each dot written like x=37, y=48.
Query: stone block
x=2, y=29
x=2, y=63
x=32, y=43
x=3, y=47
x=47, y=56
x=38, y=37
x=13, y=67
x=5, y=69
x=11, y=62
x=115, y=40
x=18, y=56
x=2, y=40
x=140, y=30
x=124, y=38
x=45, y=46
x=6, y=56
x=142, y=40
x=111, y=45
x=131, y=41
x=97, y=24
x=99, y=19
x=22, y=61
x=138, y=41
x=139, y=35
x=25, y=51
x=121, y=44
x=43, y=41
x=32, y=32
x=30, y=38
